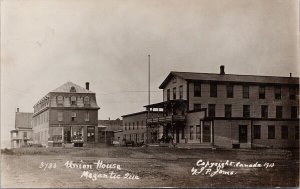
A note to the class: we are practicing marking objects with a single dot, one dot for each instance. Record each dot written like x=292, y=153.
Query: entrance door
x=177, y=135
x=206, y=131
x=243, y=134
x=67, y=134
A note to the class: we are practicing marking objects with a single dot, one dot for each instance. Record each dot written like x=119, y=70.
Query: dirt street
x=148, y=167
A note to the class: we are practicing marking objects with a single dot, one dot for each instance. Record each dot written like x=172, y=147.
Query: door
x=177, y=135
x=206, y=131
x=67, y=134
x=243, y=134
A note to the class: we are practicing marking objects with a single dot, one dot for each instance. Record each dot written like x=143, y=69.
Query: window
x=72, y=89
x=278, y=111
x=142, y=124
x=174, y=93
x=137, y=125
x=264, y=111
x=294, y=112
x=129, y=126
x=271, y=132
x=87, y=116
x=246, y=111
x=228, y=108
x=198, y=132
x=60, y=100
x=277, y=92
x=168, y=94
x=174, y=79
x=197, y=89
x=292, y=92
x=73, y=116
x=197, y=106
x=256, y=130
x=133, y=126
x=180, y=92
x=182, y=133
x=229, y=91
x=213, y=90
x=73, y=100
x=125, y=126
x=25, y=135
x=90, y=134
x=262, y=92
x=86, y=100
x=77, y=133
x=211, y=110
x=59, y=116
x=191, y=132
x=284, y=132
x=296, y=132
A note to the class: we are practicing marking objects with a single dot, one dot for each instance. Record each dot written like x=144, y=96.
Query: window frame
x=256, y=131
x=213, y=90
x=229, y=90
x=262, y=92
x=197, y=89
x=284, y=132
x=246, y=111
x=228, y=110
x=211, y=110
x=181, y=92
x=264, y=111
x=271, y=128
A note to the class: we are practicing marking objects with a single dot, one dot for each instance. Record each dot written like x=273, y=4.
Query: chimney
x=17, y=109
x=290, y=74
x=87, y=86
x=222, y=70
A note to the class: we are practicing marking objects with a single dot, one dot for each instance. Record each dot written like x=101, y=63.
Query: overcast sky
x=47, y=43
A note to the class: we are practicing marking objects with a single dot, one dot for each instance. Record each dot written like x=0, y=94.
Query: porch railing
x=166, y=119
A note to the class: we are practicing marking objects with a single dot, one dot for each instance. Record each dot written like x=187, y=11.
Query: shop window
x=77, y=134
x=91, y=134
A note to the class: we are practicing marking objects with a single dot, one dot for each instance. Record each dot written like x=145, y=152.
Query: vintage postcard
x=149, y=93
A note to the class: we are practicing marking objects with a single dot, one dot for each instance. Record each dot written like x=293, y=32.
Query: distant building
x=134, y=127
x=228, y=110
x=67, y=115
x=22, y=134
x=109, y=131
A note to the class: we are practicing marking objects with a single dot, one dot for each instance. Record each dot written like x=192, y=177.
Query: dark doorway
x=243, y=134
x=67, y=134
x=91, y=134
x=177, y=135
x=206, y=131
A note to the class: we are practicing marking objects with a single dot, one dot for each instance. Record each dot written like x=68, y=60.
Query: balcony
x=164, y=119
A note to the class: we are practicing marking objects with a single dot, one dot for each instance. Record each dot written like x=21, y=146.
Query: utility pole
x=148, y=115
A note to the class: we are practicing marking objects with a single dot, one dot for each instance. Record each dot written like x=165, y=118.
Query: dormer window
x=174, y=79
x=73, y=100
x=86, y=100
x=60, y=100
x=73, y=90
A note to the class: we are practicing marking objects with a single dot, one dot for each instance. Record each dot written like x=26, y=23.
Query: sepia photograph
x=149, y=93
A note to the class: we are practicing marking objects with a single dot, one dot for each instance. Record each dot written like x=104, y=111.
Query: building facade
x=67, y=115
x=110, y=131
x=134, y=127
x=228, y=110
x=21, y=136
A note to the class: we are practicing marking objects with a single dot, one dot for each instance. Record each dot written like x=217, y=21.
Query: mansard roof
x=67, y=88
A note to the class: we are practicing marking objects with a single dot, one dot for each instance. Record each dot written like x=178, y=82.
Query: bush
x=7, y=151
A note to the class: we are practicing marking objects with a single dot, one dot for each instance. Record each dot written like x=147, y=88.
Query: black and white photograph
x=149, y=93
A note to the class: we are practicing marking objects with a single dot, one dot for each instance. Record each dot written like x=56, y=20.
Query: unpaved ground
x=156, y=167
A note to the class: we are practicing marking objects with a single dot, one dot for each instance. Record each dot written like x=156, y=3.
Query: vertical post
x=148, y=114
x=211, y=132
x=202, y=123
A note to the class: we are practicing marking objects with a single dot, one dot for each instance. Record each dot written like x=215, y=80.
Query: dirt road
x=147, y=167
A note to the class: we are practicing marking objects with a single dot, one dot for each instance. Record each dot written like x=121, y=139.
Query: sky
x=45, y=44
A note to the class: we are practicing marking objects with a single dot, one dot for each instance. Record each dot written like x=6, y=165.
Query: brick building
x=134, y=127
x=67, y=115
x=229, y=110
x=22, y=134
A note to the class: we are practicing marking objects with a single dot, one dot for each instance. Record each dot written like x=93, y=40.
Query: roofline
x=174, y=73
x=142, y=112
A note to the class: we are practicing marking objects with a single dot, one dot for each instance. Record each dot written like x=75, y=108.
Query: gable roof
x=23, y=120
x=193, y=76
x=65, y=88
